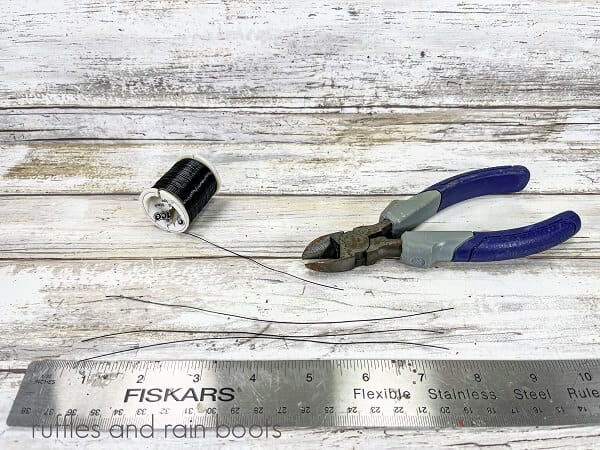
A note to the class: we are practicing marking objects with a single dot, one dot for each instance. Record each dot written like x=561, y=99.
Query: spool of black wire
x=180, y=194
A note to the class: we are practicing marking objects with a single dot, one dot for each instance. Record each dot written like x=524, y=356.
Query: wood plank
x=101, y=167
x=302, y=54
x=112, y=226
x=311, y=126
x=119, y=150
x=521, y=309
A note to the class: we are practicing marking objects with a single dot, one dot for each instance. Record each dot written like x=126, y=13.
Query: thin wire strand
x=315, y=341
x=256, y=319
x=197, y=236
x=252, y=333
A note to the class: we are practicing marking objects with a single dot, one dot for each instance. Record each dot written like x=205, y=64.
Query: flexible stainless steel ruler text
x=183, y=396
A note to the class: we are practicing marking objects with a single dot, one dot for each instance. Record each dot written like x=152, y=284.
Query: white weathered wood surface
x=309, y=53
x=316, y=115
x=389, y=151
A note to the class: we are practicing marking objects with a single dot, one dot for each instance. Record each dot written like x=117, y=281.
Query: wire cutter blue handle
x=493, y=180
x=519, y=242
x=424, y=248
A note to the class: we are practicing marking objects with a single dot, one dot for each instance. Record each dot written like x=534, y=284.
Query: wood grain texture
x=98, y=227
x=366, y=126
x=300, y=54
x=316, y=115
x=403, y=152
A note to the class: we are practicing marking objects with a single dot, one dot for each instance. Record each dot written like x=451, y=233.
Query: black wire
x=190, y=181
x=197, y=236
x=252, y=333
x=265, y=337
x=255, y=319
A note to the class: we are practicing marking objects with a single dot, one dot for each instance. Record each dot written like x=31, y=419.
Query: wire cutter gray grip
x=392, y=235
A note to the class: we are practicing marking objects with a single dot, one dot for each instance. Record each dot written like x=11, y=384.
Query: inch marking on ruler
x=305, y=393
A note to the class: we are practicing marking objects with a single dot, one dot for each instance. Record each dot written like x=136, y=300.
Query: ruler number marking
x=584, y=376
x=533, y=377
x=195, y=377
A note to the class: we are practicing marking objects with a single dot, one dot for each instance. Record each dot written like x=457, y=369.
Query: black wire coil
x=192, y=182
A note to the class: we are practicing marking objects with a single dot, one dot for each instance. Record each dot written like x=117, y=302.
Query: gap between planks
x=283, y=109
x=270, y=195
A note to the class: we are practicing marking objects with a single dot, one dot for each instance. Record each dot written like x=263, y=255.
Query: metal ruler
x=187, y=395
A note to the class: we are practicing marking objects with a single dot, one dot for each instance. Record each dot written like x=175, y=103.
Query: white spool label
x=165, y=210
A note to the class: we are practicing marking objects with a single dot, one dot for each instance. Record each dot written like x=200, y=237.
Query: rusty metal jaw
x=343, y=251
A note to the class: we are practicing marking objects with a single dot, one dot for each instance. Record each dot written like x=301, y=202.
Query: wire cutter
x=391, y=236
